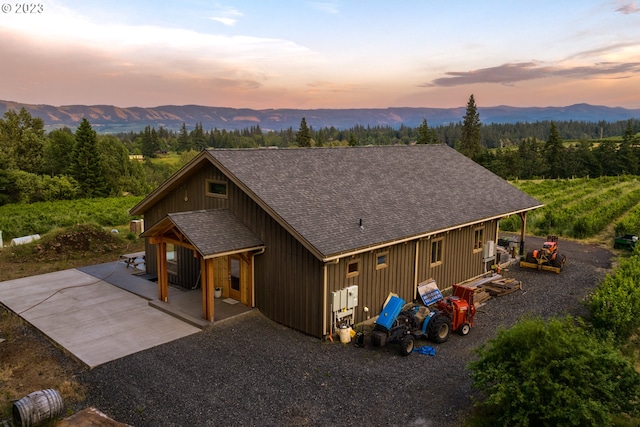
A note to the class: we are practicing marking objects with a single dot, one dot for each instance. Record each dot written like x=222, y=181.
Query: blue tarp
x=429, y=351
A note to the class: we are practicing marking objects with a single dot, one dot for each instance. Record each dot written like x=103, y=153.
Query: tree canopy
x=524, y=150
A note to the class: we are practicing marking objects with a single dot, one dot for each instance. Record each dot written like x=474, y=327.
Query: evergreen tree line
x=62, y=165
x=152, y=141
x=35, y=166
x=554, y=158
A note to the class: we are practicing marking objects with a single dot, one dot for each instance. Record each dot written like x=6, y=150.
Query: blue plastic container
x=390, y=312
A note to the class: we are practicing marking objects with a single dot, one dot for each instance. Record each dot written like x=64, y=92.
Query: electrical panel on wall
x=344, y=301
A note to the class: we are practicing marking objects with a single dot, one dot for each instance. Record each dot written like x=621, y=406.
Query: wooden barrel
x=37, y=407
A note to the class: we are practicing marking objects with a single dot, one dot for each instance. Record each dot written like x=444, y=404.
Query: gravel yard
x=251, y=371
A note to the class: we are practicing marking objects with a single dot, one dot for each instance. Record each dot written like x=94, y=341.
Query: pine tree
x=150, y=142
x=554, y=153
x=87, y=167
x=320, y=138
x=303, y=138
x=184, y=142
x=426, y=135
x=352, y=140
x=199, y=141
x=470, y=140
x=627, y=152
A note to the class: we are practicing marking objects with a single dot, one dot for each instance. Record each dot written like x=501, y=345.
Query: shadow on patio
x=183, y=304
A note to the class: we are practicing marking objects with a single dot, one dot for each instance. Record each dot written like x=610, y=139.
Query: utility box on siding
x=344, y=301
x=489, y=251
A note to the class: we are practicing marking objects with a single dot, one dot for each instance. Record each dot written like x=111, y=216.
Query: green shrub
x=615, y=303
x=552, y=373
x=42, y=188
x=512, y=223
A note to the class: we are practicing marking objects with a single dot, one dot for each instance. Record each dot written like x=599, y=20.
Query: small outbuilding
x=311, y=236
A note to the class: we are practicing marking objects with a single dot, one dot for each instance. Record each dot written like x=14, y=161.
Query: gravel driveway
x=251, y=371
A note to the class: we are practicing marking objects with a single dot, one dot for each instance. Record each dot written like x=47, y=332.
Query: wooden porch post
x=523, y=217
x=207, y=283
x=163, y=278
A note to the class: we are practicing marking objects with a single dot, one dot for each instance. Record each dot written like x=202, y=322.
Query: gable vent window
x=216, y=188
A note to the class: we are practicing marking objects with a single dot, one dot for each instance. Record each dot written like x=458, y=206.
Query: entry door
x=234, y=278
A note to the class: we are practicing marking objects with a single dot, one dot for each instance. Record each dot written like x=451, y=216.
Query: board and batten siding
x=288, y=286
x=374, y=284
x=188, y=196
x=460, y=262
x=288, y=277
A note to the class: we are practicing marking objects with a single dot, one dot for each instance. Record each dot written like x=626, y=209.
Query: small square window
x=381, y=260
x=216, y=188
x=353, y=268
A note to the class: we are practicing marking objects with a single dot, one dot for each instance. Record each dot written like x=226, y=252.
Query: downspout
x=415, y=273
x=324, y=305
x=325, y=284
x=253, y=276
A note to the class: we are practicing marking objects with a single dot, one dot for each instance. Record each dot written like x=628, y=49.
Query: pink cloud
x=508, y=74
x=628, y=8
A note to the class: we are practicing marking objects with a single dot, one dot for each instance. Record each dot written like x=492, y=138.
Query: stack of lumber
x=491, y=285
x=480, y=296
x=498, y=288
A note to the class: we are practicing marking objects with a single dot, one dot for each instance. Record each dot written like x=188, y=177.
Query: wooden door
x=235, y=284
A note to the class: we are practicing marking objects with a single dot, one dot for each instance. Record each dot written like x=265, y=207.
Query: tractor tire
x=464, y=329
x=530, y=258
x=559, y=261
x=407, y=343
x=439, y=330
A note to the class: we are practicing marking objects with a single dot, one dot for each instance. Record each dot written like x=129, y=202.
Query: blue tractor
x=403, y=323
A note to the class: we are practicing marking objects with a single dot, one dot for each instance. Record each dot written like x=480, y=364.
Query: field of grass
x=582, y=208
x=23, y=219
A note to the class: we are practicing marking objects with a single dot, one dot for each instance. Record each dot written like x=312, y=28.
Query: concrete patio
x=104, y=312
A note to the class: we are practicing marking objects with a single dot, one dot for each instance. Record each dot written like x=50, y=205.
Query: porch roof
x=225, y=233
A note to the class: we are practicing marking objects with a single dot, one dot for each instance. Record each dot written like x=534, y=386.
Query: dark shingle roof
x=215, y=231
x=397, y=191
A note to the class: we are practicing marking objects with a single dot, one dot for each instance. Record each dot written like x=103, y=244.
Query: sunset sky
x=321, y=54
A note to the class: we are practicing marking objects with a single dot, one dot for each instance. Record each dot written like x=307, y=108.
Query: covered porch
x=221, y=251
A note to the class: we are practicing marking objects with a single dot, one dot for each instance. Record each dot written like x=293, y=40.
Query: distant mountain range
x=112, y=119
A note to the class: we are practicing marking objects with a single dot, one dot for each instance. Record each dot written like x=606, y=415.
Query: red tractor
x=459, y=309
x=545, y=258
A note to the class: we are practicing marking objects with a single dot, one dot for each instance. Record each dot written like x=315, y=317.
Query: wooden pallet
x=500, y=287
